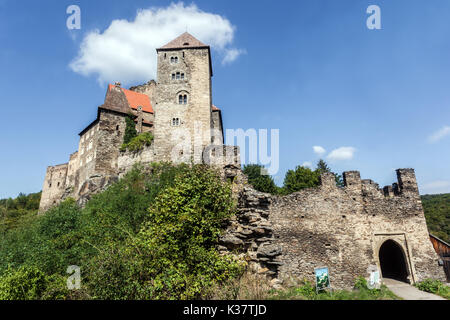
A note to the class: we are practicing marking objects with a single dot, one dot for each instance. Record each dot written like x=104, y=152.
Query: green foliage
x=13, y=212
x=300, y=178
x=259, y=181
x=437, y=214
x=173, y=255
x=25, y=283
x=130, y=129
x=151, y=235
x=434, y=286
x=137, y=143
x=303, y=177
x=307, y=291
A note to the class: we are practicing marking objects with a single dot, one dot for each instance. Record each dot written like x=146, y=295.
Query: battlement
x=406, y=184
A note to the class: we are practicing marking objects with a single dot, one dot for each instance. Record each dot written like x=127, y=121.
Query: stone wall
x=53, y=187
x=344, y=228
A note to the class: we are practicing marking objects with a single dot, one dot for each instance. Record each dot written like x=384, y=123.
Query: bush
x=26, y=283
x=434, y=286
x=173, y=256
x=152, y=235
x=137, y=143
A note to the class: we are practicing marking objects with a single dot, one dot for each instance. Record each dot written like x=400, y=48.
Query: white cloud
x=231, y=55
x=435, y=187
x=307, y=164
x=342, y=153
x=319, y=150
x=126, y=50
x=438, y=135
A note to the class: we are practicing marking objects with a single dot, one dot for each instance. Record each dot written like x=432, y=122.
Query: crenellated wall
x=344, y=228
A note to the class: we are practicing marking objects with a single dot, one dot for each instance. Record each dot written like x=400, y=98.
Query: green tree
x=300, y=178
x=259, y=181
x=322, y=167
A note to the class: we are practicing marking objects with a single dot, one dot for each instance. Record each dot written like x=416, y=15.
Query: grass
x=435, y=287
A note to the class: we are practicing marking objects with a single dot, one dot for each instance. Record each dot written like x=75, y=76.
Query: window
x=176, y=122
x=173, y=59
x=182, y=99
x=178, y=76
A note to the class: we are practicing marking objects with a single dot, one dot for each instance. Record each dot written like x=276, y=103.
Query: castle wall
x=54, y=186
x=195, y=116
x=344, y=228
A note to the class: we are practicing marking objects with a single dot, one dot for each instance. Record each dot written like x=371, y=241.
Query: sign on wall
x=322, y=279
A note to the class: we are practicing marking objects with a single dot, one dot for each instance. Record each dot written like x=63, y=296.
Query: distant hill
x=13, y=212
x=437, y=213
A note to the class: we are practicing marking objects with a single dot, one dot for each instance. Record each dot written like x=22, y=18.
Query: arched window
x=173, y=59
x=182, y=99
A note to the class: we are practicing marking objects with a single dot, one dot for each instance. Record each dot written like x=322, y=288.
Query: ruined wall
x=195, y=116
x=127, y=159
x=344, y=228
x=54, y=186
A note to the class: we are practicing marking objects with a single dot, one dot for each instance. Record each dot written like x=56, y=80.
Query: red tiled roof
x=136, y=99
x=214, y=108
x=186, y=40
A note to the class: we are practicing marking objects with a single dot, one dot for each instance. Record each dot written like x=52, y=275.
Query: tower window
x=173, y=59
x=178, y=76
x=176, y=122
x=182, y=99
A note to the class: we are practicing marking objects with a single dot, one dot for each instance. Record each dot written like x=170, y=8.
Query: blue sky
x=310, y=68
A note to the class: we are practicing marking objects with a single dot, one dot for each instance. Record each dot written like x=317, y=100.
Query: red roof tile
x=136, y=99
x=214, y=108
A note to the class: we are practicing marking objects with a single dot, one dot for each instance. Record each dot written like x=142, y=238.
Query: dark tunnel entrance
x=392, y=261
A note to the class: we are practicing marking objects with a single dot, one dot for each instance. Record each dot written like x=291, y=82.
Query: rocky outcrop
x=249, y=234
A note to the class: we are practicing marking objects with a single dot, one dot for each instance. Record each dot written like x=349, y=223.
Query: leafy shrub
x=138, y=142
x=26, y=283
x=173, y=256
x=434, y=286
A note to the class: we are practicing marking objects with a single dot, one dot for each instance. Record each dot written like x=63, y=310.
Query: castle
x=347, y=229
x=177, y=110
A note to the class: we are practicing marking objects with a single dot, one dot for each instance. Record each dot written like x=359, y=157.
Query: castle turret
x=407, y=184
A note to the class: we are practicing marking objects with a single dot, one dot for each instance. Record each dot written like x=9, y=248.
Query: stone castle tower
x=177, y=109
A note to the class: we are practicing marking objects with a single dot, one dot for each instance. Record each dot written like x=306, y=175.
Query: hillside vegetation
x=437, y=213
x=152, y=235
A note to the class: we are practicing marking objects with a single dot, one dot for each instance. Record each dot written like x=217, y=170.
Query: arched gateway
x=392, y=261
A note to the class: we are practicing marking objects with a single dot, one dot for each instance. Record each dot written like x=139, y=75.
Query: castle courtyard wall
x=343, y=229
